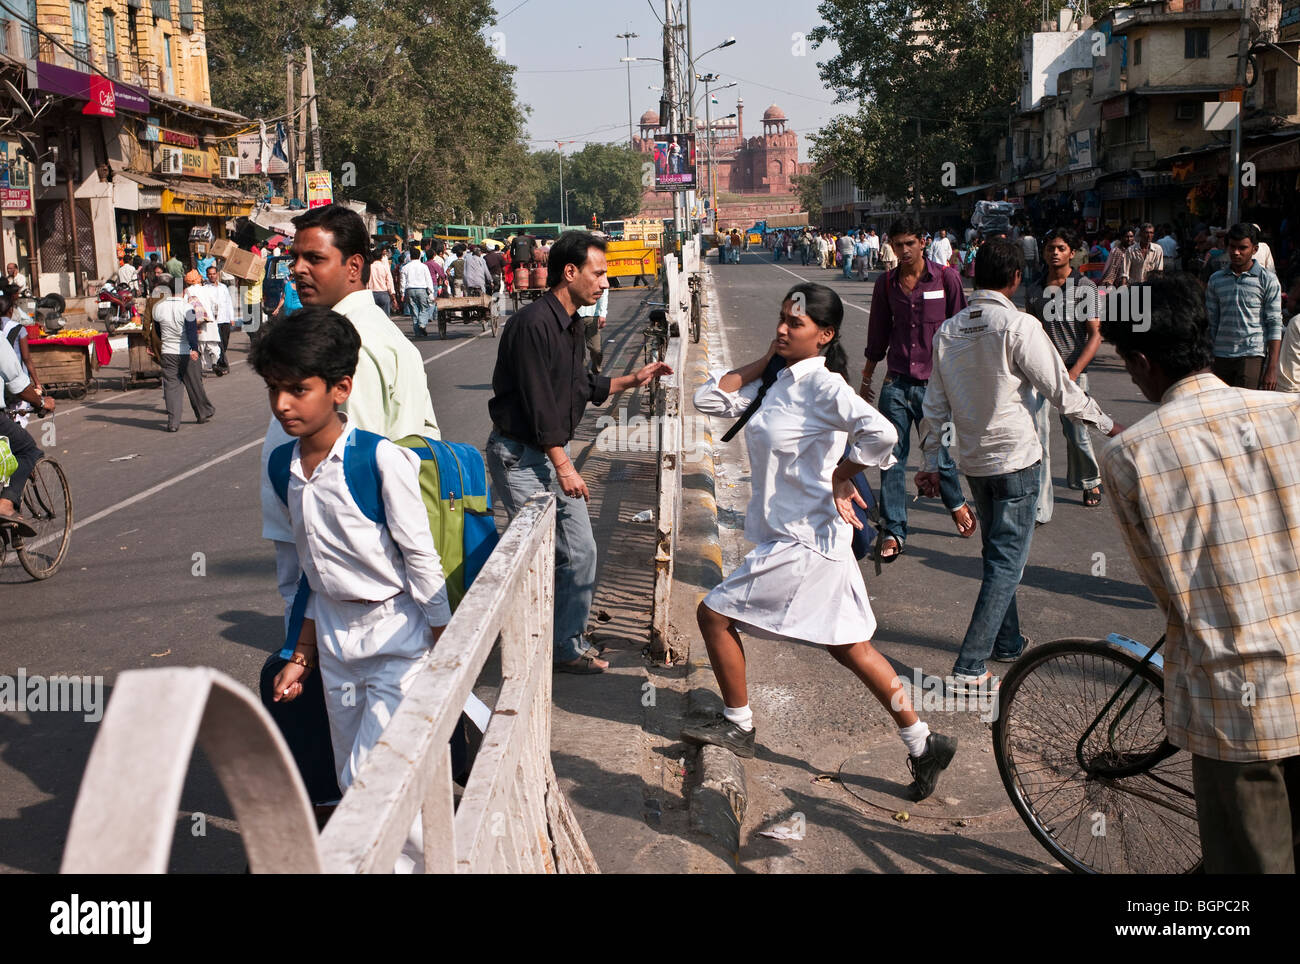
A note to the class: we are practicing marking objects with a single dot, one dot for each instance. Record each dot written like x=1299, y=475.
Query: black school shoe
x=939, y=751
x=720, y=731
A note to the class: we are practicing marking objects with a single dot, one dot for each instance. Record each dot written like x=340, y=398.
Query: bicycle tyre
x=1137, y=824
x=48, y=504
x=695, y=317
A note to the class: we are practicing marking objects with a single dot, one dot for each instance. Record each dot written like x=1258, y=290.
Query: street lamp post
x=627, y=39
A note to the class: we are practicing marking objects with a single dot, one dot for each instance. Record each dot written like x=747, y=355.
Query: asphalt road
x=817, y=725
x=167, y=568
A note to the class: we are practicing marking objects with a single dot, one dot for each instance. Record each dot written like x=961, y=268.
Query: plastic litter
x=644, y=516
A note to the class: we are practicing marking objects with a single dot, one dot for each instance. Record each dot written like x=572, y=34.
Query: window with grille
x=162, y=9
x=167, y=64
x=185, y=11
x=1196, y=43
x=112, y=67
x=80, y=31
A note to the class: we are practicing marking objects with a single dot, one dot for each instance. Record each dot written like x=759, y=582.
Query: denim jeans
x=519, y=471
x=901, y=399
x=848, y=267
x=1004, y=505
x=421, y=308
x=1081, y=461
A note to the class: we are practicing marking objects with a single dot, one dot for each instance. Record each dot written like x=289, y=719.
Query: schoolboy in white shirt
x=378, y=595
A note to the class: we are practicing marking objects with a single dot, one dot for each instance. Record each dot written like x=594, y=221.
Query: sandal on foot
x=584, y=665
x=966, y=528
x=885, y=543
x=1092, y=497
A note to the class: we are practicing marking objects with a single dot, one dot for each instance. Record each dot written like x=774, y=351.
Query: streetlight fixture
x=627, y=38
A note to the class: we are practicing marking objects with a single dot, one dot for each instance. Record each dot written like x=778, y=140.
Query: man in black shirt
x=540, y=388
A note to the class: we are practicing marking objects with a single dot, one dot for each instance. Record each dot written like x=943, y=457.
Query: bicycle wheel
x=695, y=316
x=1092, y=821
x=47, y=502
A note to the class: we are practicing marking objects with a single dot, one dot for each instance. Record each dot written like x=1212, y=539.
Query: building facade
x=1116, y=122
x=127, y=152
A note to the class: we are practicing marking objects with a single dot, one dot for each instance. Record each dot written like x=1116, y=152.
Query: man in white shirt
x=179, y=360
x=22, y=446
x=941, y=248
x=873, y=249
x=988, y=360
x=417, y=286
x=223, y=309
x=126, y=273
x=1169, y=244
x=16, y=277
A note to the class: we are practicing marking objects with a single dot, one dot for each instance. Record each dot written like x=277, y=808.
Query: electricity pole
x=670, y=98
x=1234, y=171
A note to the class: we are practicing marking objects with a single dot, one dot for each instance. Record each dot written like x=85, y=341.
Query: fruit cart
x=469, y=309
x=141, y=365
x=69, y=360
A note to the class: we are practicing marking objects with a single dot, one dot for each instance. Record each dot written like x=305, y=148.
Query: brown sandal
x=967, y=529
x=1092, y=497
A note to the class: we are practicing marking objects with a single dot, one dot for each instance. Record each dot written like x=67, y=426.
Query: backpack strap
x=296, y=616
x=277, y=470
x=361, y=470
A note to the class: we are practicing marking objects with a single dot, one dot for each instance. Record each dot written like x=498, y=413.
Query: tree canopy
x=605, y=180
x=413, y=95
x=933, y=82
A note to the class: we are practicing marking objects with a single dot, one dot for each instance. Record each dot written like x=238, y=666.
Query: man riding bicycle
x=22, y=447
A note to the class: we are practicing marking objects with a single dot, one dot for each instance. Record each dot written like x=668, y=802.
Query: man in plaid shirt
x=1207, y=492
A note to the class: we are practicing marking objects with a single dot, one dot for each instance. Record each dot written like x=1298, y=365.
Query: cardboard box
x=222, y=248
x=243, y=265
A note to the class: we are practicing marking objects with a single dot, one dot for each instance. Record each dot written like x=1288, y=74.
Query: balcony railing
x=81, y=52
x=112, y=66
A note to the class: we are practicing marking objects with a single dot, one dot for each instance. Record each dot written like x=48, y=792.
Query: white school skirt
x=786, y=589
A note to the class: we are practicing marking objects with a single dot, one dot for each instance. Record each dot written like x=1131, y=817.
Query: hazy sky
x=570, y=75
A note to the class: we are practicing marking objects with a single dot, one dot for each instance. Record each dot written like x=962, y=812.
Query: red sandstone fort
x=762, y=166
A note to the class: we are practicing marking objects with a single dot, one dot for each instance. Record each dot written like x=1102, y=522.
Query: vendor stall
x=68, y=361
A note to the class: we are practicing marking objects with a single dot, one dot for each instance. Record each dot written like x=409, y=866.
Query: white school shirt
x=795, y=440
x=345, y=555
x=989, y=359
x=390, y=395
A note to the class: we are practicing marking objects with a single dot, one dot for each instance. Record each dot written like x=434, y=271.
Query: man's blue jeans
x=901, y=399
x=421, y=308
x=1005, y=506
x=848, y=267
x=519, y=471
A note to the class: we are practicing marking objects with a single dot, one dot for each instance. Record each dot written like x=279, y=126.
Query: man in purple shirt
x=908, y=304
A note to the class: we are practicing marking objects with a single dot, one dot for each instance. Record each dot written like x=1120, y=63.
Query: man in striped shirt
x=1205, y=490
x=1244, y=304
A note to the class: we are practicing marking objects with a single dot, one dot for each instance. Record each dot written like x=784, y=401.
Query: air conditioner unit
x=1186, y=111
x=171, y=162
x=229, y=168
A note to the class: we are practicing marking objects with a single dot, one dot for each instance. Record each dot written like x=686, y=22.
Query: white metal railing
x=512, y=816
x=669, y=408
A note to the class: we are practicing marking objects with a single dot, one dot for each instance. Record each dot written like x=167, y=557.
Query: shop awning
x=959, y=191
x=196, y=198
x=133, y=191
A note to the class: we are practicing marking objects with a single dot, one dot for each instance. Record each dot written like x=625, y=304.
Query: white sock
x=742, y=716
x=915, y=736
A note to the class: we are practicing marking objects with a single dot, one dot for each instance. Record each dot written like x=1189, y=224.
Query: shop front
x=190, y=208
x=137, y=199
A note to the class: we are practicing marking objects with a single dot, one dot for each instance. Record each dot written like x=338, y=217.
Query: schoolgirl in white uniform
x=378, y=594
x=801, y=580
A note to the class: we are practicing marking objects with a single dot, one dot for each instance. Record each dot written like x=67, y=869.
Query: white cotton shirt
x=390, y=394
x=345, y=555
x=795, y=440
x=220, y=302
x=1288, y=357
x=989, y=360
x=941, y=250
x=171, y=315
x=415, y=274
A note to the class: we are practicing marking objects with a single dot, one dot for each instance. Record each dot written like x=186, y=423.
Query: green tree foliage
x=605, y=180
x=934, y=81
x=411, y=94
x=809, y=189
